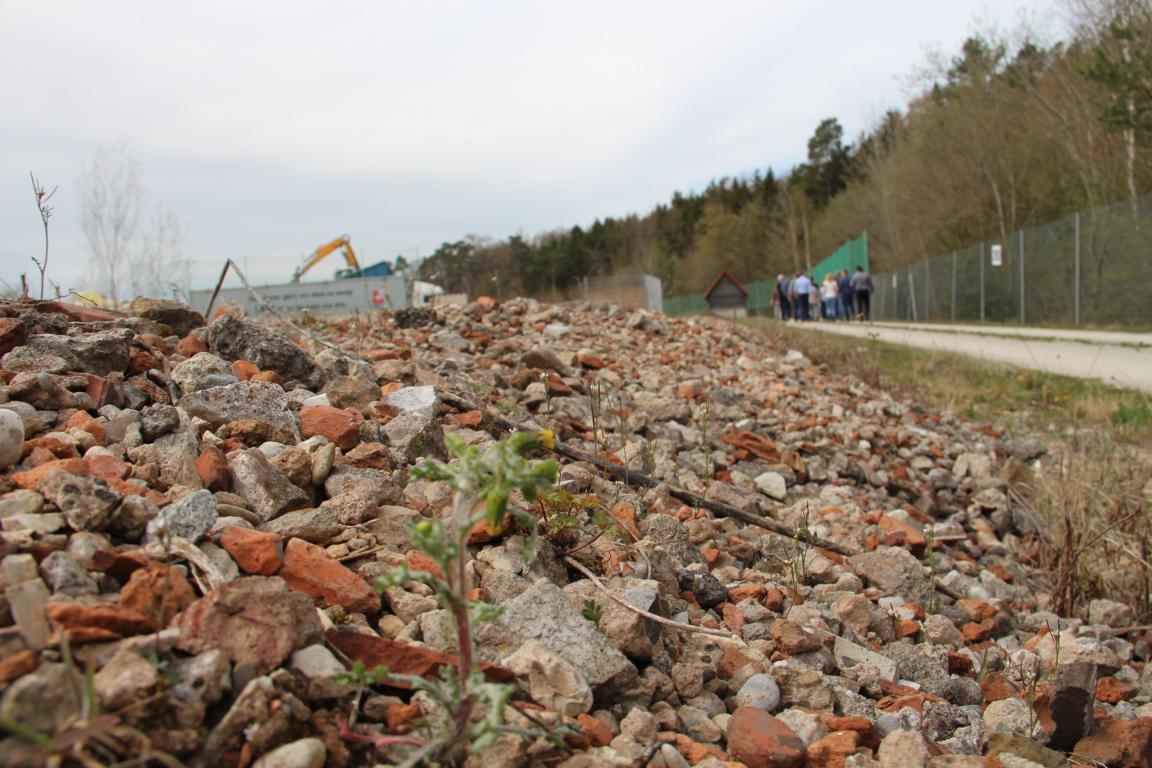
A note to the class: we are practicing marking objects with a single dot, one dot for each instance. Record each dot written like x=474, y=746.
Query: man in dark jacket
x=780, y=297
x=845, y=306
x=862, y=291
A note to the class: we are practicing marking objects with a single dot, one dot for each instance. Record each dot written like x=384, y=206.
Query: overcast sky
x=272, y=127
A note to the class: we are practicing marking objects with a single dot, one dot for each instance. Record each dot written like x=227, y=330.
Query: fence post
x=912, y=293
x=927, y=290
x=981, y=281
x=953, y=286
x=1021, y=277
x=1076, y=279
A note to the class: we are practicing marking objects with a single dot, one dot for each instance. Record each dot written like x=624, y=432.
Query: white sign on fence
x=997, y=255
x=331, y=297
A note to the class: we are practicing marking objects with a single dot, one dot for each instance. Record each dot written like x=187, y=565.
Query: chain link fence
x=1092, y=268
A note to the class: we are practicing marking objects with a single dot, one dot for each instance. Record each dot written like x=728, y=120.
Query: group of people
x=841, y=296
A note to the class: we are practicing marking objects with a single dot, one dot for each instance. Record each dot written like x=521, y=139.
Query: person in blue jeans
x=846, y=308
x=830, y=293
x=800, y=293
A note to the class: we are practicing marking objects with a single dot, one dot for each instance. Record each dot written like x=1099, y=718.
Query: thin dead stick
x=658, y=619
x=362, y=553
x=216, y=292
x=632, y=476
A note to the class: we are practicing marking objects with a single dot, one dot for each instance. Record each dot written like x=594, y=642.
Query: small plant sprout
x=593, y=612
x=621, y=428
x=1056, y=631
x=930, y=553
x=707, y=447
x=547, y=394
x=1030, y=678
x=483, y=480
x=980, y=673
x=360, y=678
x=596, y=406
x=564, y=516
x=46, y=210
x=800, y=543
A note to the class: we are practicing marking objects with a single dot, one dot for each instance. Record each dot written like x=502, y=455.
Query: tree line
x=1004, y=134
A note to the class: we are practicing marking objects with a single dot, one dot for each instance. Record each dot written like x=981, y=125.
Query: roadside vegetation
x=1092, y=491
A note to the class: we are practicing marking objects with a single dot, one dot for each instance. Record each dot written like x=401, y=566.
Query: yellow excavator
x=318, y=255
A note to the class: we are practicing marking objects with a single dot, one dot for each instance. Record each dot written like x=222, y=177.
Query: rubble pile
x=194, y=516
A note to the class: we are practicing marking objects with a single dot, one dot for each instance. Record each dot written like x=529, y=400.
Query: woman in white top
x=828, y=292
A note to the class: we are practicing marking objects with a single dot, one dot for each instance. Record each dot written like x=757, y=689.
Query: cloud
x=270, y=127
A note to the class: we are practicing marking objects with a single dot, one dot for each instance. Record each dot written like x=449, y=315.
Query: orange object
x=320, y=253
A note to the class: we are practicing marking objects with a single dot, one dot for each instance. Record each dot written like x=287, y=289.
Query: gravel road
x=1119, y=359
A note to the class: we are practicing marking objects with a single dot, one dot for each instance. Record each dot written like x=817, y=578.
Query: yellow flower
x=548, y=438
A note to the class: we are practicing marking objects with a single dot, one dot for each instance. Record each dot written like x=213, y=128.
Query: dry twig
x=658, y=619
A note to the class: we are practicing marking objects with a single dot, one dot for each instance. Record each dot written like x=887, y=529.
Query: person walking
x=862, y=292
x=800, y=294
x=844, y=283
x=780, y=298
x=829, y=292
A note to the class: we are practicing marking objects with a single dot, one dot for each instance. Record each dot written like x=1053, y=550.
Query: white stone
x=11, y=437
x=772, y=484
x=640, y=726
x=672, y=757
x=26, y=601
x=125, y=679
x=551, y=680
x=190, y=518
x=848, y=654
x=626, y=629
x=418, y=399
x=760, y=691
x=316, y=661
x=1109, y=612
x=903, y=749
x=303, y=753
x=45, y=522
x=804, y=724
x=543, y=612
x=1011, y=715
x=977, y=465
x=21, y=502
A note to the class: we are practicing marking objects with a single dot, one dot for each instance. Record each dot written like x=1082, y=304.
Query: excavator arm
x=321, y=252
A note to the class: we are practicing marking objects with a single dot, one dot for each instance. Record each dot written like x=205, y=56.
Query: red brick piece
x=256, y=552
x=760, y=740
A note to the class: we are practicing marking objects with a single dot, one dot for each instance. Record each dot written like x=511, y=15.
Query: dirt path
x=1119, y=359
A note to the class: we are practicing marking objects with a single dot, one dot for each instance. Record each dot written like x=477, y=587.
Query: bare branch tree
x=111, y=197
x=161, y=264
